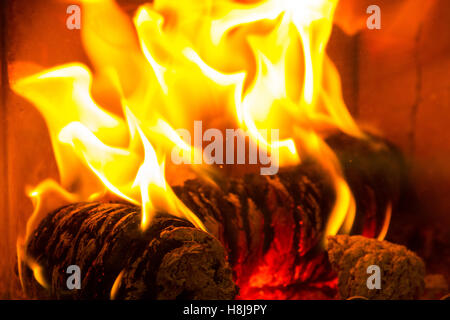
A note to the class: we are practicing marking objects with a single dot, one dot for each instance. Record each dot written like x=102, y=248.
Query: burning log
x=401, y=271
x=171, y=259
x=270, y=225
x=376, y=172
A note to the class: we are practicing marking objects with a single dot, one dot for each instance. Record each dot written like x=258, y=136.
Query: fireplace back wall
x=395, y=82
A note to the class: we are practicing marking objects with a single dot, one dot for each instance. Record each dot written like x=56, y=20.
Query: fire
x=248, y=64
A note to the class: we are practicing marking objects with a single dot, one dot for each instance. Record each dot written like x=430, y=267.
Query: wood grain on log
x=171, y=259
x=268, y=224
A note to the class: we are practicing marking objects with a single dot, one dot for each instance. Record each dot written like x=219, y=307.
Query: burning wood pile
x=143, y=211
x=265, y=238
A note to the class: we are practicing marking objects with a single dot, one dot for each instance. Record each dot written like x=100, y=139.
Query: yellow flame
x=251, y=64
x=387, y=221
x=116, y=285
x=38, y=271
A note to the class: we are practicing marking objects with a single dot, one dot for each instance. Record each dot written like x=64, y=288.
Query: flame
x=251, y=64
x=115, y=286
x=386, y=222
x=38, y=271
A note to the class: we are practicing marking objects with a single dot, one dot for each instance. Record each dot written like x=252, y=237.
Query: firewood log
x=271, y=226
x=401, y=271
x=170, y=260
x=377, y=174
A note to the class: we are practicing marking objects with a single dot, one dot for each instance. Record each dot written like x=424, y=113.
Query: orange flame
x=253, y=64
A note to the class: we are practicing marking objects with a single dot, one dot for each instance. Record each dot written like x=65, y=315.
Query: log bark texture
x=401, y=271
x=271, y=226
x=170, y=260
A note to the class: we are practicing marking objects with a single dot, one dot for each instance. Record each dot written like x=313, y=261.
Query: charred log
x=401, y=270
x=377, y=174
x=271, y=226
x=170, y=260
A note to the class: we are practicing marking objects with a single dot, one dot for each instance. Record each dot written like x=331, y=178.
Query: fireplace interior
x=251, y=236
